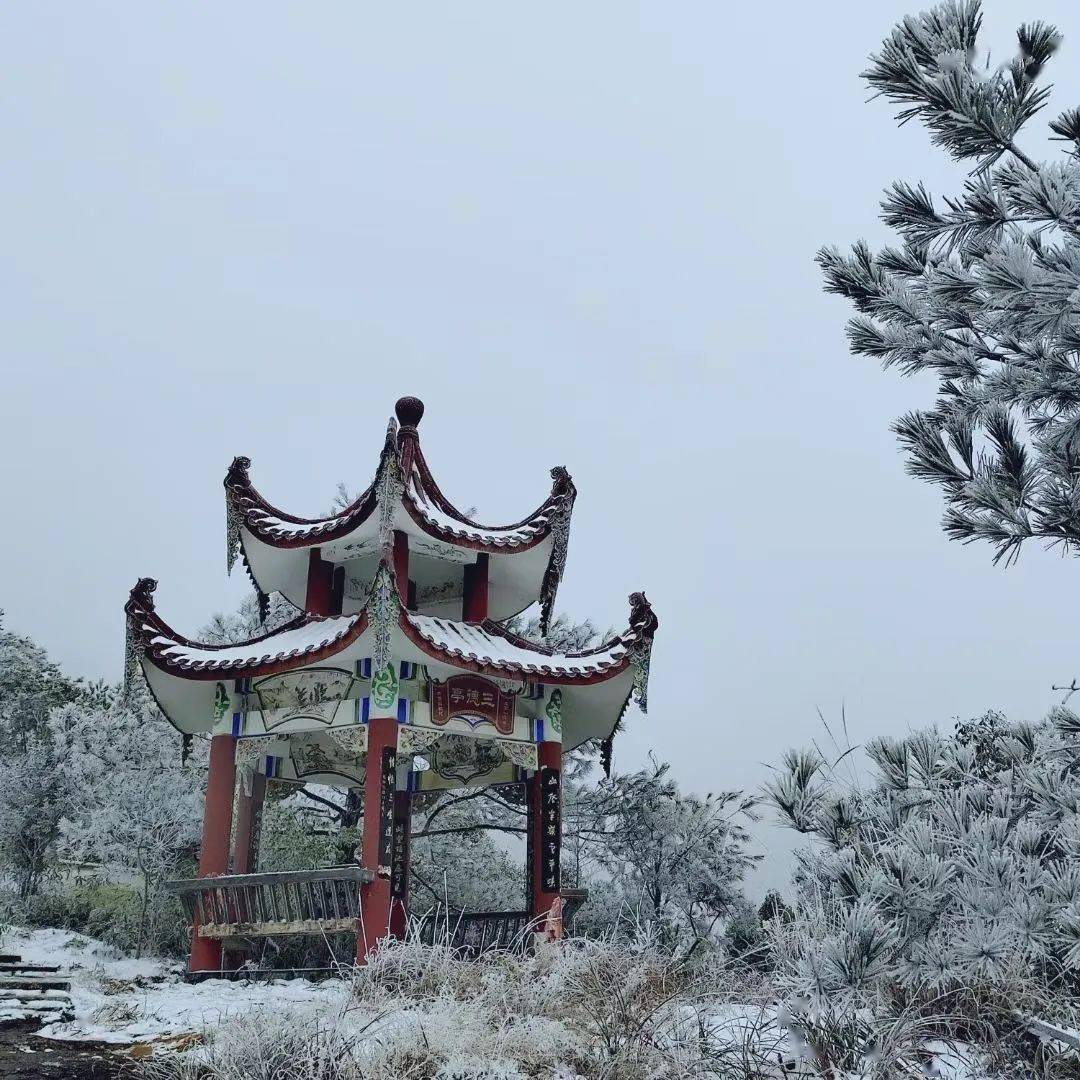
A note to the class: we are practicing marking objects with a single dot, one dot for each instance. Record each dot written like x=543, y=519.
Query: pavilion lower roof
x=597, y=683
x=488, y=647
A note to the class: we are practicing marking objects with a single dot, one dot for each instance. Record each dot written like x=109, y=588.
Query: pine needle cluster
x=982, y=288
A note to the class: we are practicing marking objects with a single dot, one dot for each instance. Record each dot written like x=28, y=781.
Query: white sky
x=583, y=234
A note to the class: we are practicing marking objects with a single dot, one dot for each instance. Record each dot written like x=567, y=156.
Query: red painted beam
x=248, y=821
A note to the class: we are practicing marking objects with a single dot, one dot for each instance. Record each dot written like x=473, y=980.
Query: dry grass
x=594, y=1010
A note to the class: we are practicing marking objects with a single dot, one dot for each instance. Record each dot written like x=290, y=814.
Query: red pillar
x=545, y=828
x=320, y=584
x=248, y=822
x=217, y=826
x=377, y=847
x=474, y=606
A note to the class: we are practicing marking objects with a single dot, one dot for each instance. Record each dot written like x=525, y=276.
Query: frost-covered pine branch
x=983, y=287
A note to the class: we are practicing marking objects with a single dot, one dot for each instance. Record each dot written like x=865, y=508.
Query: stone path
x=23, y=1056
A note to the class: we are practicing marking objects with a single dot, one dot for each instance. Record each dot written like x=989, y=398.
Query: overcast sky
x=584, y=235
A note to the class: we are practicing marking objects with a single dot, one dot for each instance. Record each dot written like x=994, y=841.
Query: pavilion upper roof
x=402, y=496
x=178, y=668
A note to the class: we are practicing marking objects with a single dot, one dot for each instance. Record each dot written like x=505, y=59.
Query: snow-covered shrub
x=110, y=912
x=587, y=1009
x=268, y=1045
x=945, y=883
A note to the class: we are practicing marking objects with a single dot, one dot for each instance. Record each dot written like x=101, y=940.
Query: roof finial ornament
x=409, y=411
x=140, y=603
x=643, y=624
x=141, y=597
x=236, y=478
x=238, y=474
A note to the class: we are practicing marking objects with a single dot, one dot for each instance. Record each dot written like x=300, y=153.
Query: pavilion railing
x=268, y=905
x=476, y=932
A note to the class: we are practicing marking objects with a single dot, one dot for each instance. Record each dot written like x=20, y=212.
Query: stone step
x=9, y=958
x=9, y=967
x=32, y=982
x=26, y=1000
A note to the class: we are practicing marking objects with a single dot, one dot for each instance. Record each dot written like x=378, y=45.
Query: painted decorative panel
x=464, y=759
x=313, y=694
x=311, y=756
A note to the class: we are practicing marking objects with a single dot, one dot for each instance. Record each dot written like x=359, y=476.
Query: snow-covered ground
x=129, y=1002
x=120, y=1000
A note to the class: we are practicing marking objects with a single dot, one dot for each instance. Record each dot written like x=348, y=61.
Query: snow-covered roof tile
x=300, y=640
x=487, y=644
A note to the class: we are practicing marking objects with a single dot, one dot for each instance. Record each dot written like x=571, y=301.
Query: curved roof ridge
x=491, y=642
x=642, y=626
x=562, y=488
x=310, y=638
x=299, y=638
x=253, y=510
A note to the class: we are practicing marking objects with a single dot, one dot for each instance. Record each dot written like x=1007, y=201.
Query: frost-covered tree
x=32, y=791
x=33, y=799
x=130, y=801
x=673, y=862
x=982, y=289
x=458, y=860
x=247, y=621
x=31, y=685
x=938, y=881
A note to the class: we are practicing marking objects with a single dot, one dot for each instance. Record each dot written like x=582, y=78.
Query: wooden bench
x=274, y=904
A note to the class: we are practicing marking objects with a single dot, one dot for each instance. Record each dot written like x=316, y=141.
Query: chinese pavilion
x=398, y=676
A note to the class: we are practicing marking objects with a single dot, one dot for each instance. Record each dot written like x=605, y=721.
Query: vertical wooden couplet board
x=378, y=843
x=530, y=848
x=386, y=810
x=550, y=828
x=545, y=841
x=399, y=866
x=399, y=855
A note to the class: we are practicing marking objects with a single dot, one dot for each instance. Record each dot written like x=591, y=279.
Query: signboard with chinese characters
x=550, y=821
x=530, y=855
x=386, y=810
x=473, y=699
x=399, y=859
